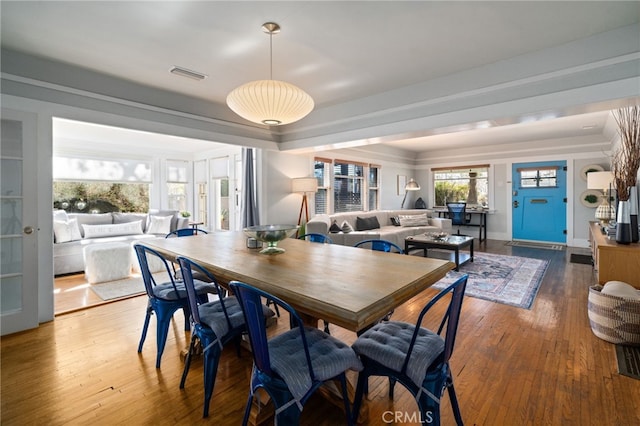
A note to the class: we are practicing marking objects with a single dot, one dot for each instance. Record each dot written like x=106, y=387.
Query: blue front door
x=539, y=207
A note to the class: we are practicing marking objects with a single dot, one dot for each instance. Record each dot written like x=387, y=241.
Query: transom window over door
x=546, y=177
x=468, y=184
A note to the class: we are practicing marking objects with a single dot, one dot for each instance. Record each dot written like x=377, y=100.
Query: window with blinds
x=177, y=180
x=322, y=172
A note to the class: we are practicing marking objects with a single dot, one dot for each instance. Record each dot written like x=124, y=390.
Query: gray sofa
x=413, y=222
x=75, y=231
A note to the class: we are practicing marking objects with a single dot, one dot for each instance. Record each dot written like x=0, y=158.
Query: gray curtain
x=249, y=207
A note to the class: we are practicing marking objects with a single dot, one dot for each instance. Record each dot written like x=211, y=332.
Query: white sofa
x=416, y=222
x=75, y=231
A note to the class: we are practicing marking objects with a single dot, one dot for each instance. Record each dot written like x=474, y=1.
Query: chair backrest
x=316, y=238
x=187, y=266
x=457, y=213
x=450, y=318
x=185, y=232
x=142, y=253
x=250, y=299
x=380, y=245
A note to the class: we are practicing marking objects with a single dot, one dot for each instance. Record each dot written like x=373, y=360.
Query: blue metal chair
x=415, y=356
x=316, y=238
x=380, y=245
x=185, y=232
x=164, y=298
x=214, y=325
x=458, y=214
x=293, y=365
x=385, y=246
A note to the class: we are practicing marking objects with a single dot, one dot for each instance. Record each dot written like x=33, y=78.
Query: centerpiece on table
x=272, y=235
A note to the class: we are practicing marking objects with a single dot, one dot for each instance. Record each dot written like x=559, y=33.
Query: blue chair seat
x=169, y=291
x=330, y=357
x=388, y=344
x=212, y=314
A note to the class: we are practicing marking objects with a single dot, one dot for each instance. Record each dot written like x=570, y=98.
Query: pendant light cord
x=271, y=55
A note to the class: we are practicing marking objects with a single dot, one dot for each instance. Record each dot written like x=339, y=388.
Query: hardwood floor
x=510, y=365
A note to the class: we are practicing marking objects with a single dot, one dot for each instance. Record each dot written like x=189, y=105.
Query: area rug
x=628, y=360
x=529, y=244
x=127, y=287
x=510, y=280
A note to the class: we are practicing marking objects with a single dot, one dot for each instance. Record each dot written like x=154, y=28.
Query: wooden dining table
x=346, y=286
x=350, y=287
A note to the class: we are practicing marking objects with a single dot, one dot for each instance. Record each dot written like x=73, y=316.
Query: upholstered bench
x=107, y=262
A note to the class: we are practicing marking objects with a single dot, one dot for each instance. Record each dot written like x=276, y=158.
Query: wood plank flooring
x=510, y=365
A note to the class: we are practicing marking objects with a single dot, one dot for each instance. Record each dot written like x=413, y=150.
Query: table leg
x=471, y=251
x=457, y=251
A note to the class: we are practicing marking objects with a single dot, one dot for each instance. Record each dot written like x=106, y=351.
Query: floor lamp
x=412, y=185
x=304, y=186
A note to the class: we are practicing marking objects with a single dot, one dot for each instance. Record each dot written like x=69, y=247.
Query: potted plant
x=185, y=214
x=624, y=166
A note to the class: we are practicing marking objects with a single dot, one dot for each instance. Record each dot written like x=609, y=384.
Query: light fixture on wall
x=304, y=186
x=270, y=102
x=605, y=212
x=412, y=185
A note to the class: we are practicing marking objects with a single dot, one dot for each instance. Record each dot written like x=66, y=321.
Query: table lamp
x=605, y=212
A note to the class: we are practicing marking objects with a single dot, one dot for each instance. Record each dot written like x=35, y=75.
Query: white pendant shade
x=270, y=102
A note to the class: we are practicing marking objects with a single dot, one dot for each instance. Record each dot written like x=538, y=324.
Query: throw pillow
x=334, y=229
x=112, y=230
x=366, y=223
x=414, y=220
x=159, y=224
x=130, y=217
x=395, y=221
x=65, y=231
x=346, y=227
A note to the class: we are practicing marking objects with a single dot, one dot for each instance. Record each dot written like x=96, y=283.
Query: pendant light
x=270, y=102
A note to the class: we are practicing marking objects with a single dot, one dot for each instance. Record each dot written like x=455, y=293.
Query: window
x=322, y=172
x=348, y=183
x=466, y=184
x=374, y=187
x=356, y=186
x=177, y=180
x=100, y=185
x=538, y=177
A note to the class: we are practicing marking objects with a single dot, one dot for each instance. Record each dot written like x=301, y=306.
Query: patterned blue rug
x=510, y=280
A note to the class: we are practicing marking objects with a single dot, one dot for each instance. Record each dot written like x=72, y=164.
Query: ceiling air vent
x=195, y=75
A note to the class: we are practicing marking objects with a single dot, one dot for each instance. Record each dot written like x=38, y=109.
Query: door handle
x=28, y=230
x=515, y=204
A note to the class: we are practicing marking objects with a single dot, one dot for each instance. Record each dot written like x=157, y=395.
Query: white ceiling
x=336, y=51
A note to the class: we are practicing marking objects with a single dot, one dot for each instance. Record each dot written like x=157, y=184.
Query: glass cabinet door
x=18, y=233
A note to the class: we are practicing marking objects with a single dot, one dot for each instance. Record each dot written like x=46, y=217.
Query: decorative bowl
x=272, y=235
x=438, y=236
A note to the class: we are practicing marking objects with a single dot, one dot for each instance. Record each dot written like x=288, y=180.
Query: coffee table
x=450, y=243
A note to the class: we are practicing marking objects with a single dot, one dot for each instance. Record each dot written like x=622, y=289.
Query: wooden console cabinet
x=613, y=261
